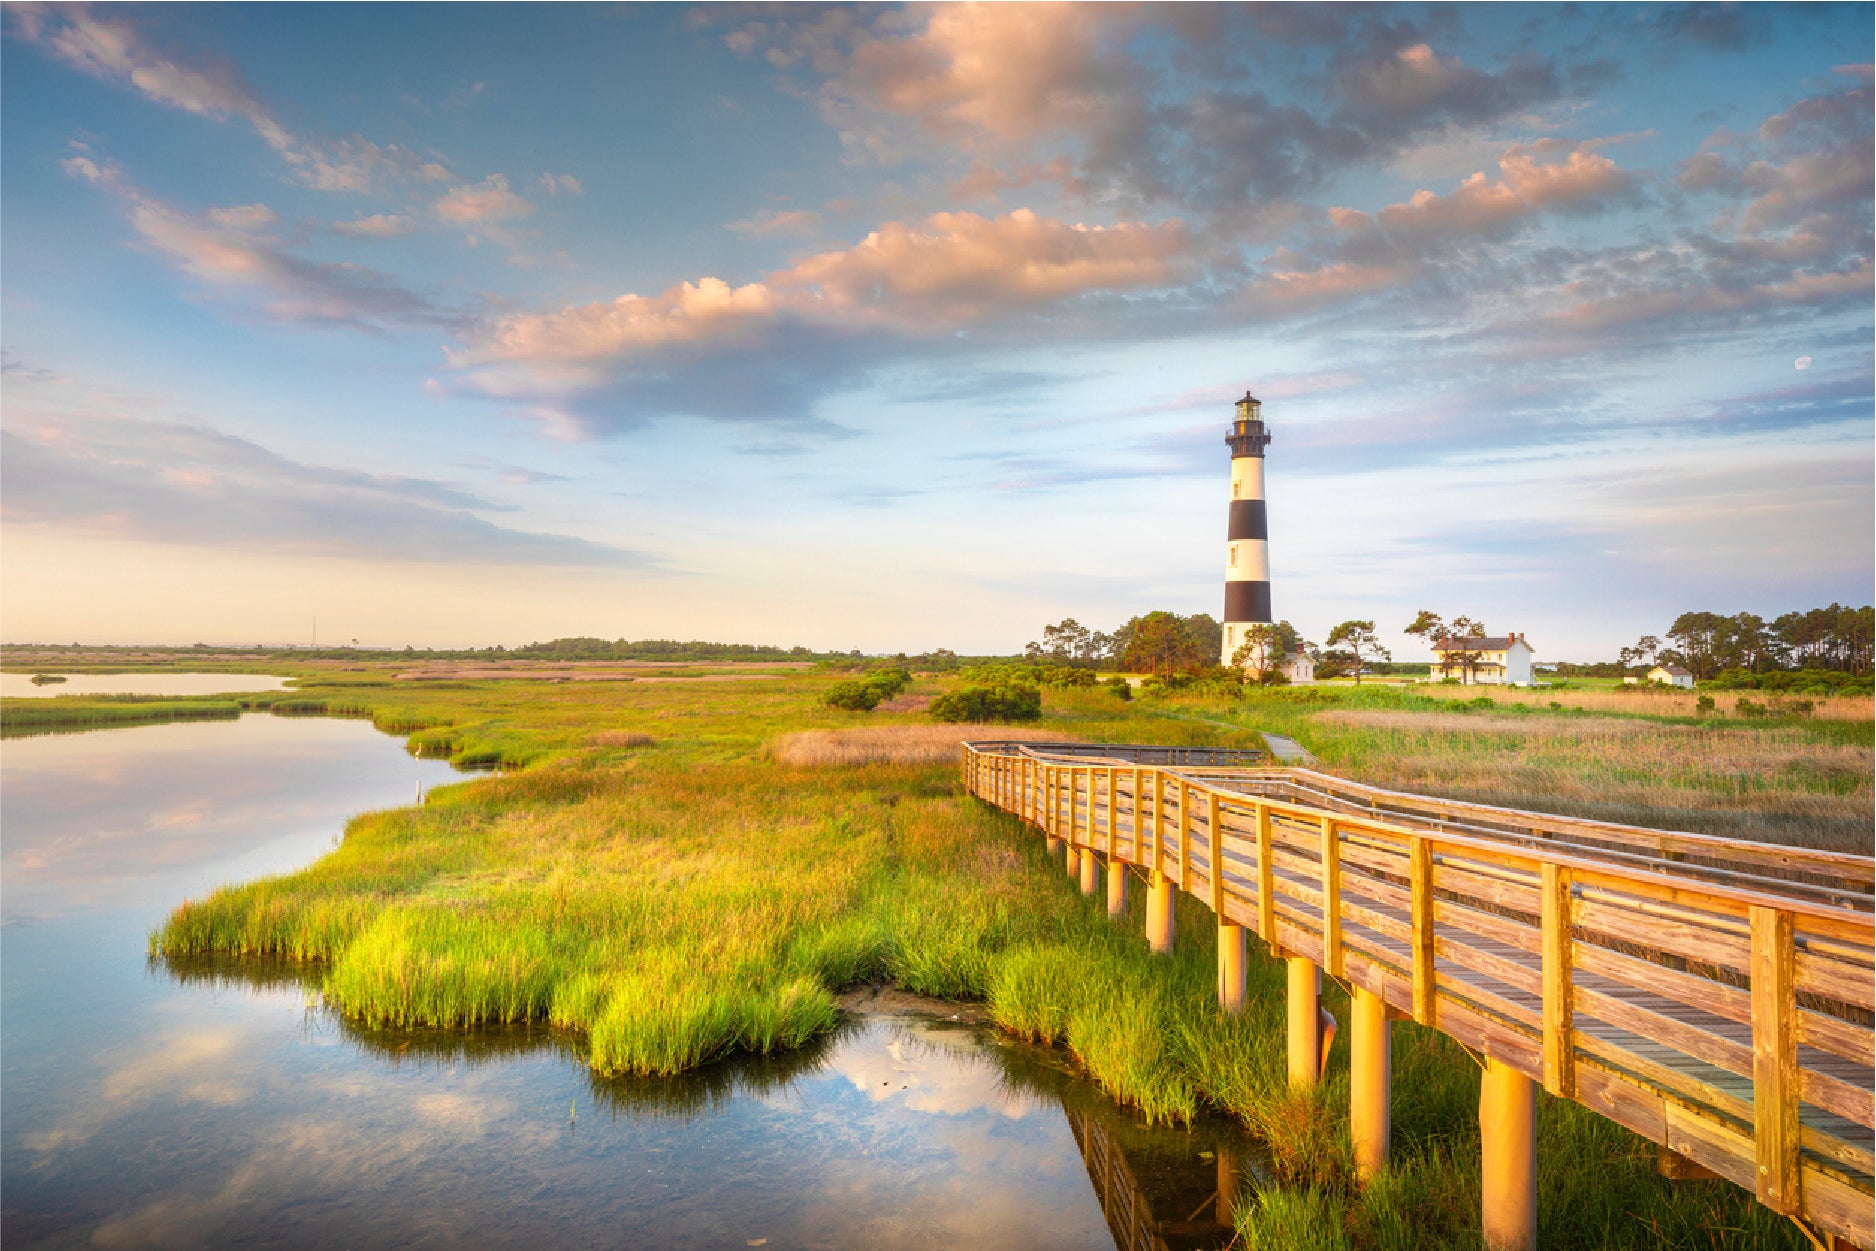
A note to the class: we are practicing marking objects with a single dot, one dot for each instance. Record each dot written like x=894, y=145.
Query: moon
x=1802, y=363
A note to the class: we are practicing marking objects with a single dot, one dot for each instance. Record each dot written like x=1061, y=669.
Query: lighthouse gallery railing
x=1713, y=996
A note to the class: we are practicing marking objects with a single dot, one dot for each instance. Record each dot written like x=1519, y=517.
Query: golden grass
x=1652, y=701
x=620, y=738
x=893, y=744
x=1770, y=783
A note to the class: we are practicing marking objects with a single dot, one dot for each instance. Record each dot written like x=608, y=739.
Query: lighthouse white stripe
x=1247, y=477
x=1253, y=563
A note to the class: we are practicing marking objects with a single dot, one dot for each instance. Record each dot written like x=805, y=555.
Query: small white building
x=1504, y=661
x=1297, y=668
x=1672, y=675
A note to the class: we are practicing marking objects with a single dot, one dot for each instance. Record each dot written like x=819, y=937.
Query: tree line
x=1167, y=644
x=1707, y=644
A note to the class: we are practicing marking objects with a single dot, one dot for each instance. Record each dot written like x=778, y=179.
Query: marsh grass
x=95, y=712
x=664, y=905
x=892, y=744
x=1651, y=701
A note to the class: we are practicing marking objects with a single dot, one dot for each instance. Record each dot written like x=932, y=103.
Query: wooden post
x=1304, y=1021
x=1559, y=991
x=1266, y=883
x=1159, y=914
x=1508, y=1158
x=1331, y=899
x=1215, y=850
x=1090, y=872
x=1159, y=820
x=1420, y=878
x=1045, y=806
x=1370, y=1081
x=1185, y=835
x=1775, y=1060
x=1116, y=889
x=1139, y=808
x=1230, y=966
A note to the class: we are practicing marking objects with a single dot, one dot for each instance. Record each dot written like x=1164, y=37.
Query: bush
x=889, y=682
x=1009, y=702
x=853, y=696
x=1119, y=687
x=1703, y=704
x=1746, y=708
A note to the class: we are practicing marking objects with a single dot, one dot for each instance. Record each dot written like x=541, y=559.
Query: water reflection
x=208, y=1101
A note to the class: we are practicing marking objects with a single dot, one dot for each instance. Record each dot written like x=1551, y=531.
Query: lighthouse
x=1247, y=568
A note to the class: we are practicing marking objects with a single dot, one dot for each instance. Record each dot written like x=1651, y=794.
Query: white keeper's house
x=1503, y=661
x=1672, y=675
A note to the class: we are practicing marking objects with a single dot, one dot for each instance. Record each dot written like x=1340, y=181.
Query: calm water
x=212, y=1104
x=20, y=685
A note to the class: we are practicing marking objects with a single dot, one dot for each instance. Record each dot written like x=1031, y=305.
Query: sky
x=897, y=328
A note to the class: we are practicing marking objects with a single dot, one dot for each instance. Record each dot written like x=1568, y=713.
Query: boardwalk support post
x=1159, y=914
x=1370, y=1081
x=1090, y=872
x=1508, y=1138
x=1231, y=951
x=1116, y=888
x=1305, y=1024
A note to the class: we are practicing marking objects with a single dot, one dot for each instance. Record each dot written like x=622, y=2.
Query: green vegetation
x=666, y=887
x=989, y=699
x=97, y=712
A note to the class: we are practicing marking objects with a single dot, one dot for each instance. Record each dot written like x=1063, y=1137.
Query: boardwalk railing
x=1713, y=996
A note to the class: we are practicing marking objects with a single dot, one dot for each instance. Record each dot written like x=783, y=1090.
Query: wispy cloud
x=234, y=250
x=111, y=46
x=176, y=482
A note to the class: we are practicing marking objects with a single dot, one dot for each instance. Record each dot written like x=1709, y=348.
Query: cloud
x=1137, y=104
x=376, y=226
x=175, y=482
x=906, y=281
x=232, y=250
x=560, y=184
x=483, y=210
x=108, y=46
x=1533, y=179
x=771, y=224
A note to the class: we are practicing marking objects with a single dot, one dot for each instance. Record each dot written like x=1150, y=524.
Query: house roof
x=1673, y=671
x=1498, y=644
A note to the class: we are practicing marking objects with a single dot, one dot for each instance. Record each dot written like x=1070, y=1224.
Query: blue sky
x=899, y=328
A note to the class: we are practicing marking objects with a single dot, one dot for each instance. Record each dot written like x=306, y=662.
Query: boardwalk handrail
x=1675, y=983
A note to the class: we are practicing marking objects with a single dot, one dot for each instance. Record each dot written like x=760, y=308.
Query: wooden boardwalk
x=1712, y=995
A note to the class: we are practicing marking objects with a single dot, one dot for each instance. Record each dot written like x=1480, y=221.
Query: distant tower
x=1247, y=570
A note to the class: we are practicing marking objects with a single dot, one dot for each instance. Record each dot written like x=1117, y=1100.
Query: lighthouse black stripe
x=1248, y=520
x=1247, y=601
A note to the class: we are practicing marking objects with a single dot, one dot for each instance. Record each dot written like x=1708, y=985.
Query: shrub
x=1119, y=687
x=1009, y=702
x=1703, y=704
x=888, y=682
x=1746, y=708
x=853, y=696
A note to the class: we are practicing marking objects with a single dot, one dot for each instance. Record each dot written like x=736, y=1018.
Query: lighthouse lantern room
x=1247, y=571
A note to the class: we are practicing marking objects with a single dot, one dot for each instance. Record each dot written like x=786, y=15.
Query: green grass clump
x=97, y=712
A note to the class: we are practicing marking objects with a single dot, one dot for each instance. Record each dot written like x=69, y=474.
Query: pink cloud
x=1532, y=179
x=376, y=226
x=232, y=249
x=107, y=46
x=482, y=203
x=951, y=270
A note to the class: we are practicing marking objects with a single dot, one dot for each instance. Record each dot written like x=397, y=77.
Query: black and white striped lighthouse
x=1247, y=572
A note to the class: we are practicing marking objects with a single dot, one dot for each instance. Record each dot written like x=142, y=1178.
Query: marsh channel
x=149, y=1103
